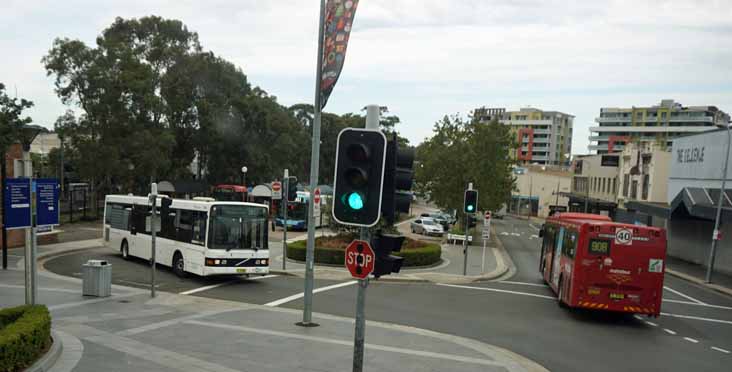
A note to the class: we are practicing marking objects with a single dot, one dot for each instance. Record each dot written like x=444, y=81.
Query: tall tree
x=462, y=151
x=11, y=118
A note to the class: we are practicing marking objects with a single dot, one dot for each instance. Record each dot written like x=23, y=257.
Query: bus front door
x=556, y=257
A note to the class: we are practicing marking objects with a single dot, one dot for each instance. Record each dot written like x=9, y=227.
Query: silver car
x=427, y=226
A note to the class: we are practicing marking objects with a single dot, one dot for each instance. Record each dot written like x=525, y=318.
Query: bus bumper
x=209, y=270
x=623, y=308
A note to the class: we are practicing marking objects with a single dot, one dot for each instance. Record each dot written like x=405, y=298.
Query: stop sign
x=359, y=259
x=488, y=215
x=276, y=186
x=316, y=196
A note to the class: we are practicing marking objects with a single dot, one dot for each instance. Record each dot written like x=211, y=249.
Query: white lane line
x=697, y=304
x=212, y=286
x=534, y=227
x=683, y=295
x=638, y=317
x=651, y=324
x=691, y=340
x=302, y=294
x=698, y=318
x=720, y=349
x=348, y=343
x=523, y=283
x=669, y=331
x=497, y=290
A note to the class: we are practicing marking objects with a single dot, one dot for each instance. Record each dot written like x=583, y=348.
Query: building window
x=644, y=192
x=626, y=181
x=615, y=184
x=634, y=190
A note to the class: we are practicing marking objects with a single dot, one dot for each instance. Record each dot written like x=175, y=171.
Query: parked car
x=427, y=226
x=437, y=217
x=450, y=217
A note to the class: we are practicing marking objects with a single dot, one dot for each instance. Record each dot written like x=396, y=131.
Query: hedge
x=25, y=332
x=421, y=256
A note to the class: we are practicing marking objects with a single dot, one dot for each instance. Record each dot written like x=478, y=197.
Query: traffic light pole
x=360, y=331
x=286, y=194
x=465, y=247
x=307, y=311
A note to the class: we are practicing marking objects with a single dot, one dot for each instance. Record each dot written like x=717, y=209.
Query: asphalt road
x=519, y=313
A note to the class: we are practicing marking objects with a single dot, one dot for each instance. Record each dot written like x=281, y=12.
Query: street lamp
x=244, y=170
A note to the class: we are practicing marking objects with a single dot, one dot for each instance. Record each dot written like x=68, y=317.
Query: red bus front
x=612, y=266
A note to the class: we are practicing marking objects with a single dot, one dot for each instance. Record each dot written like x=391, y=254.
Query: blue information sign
x=47, y=208
x=17, y=203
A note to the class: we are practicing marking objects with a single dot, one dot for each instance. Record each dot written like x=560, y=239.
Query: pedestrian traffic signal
x=471, y=201
x=291, y=188
x=398, y=176
x=359, y=176
x=383, y=245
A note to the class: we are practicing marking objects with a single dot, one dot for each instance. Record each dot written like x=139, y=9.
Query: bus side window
x=199, y=228
x=184, y=226
x=167, y=225
x=570, y=243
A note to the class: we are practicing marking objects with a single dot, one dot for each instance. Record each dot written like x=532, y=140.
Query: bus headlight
x=216, y=262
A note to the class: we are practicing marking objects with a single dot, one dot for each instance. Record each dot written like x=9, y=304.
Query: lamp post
x=27, y=134
x=710, y=262
x=244, y=170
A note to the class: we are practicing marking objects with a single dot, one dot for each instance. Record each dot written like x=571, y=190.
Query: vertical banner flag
x=338, y=21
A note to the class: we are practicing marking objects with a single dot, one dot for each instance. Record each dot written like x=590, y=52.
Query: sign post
x=17, y=207
x=286, y=178
x=153, y=225
x=360, y=261
x=486, y=236
x=276, y=190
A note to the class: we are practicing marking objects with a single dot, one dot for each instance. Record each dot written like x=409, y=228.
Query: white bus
x=203, y=237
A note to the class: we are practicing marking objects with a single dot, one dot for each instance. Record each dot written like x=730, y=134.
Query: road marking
x=212, y=286
x=497, y=290
x=698, y=318
x=534, y=236
x=683, y=295
x=505, y=233
x=651, y=324
x=637, y=317
x=515, y=234
x=697, y=304
x=523, y=283
x=348, y=343
x=534, y=227
x=302, y=294
x=174, y=321
x=720, y=349
x=669, y=331
x=691, y=340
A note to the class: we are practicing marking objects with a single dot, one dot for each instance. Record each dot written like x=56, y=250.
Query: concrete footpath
x=130, y=331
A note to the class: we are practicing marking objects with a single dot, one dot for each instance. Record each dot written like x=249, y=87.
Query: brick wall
x=16, y=238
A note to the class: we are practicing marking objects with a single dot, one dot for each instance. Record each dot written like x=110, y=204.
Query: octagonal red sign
x=360, y=259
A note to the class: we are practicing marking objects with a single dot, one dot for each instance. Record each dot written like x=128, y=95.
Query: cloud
x=426, y=58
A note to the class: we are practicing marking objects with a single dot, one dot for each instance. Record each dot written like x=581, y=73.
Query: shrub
x=25, y=332
x=330, y=251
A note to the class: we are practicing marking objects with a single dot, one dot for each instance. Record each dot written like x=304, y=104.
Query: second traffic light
x=291, y=188
x=398, y=176
x=471, y=201
x=359, y=176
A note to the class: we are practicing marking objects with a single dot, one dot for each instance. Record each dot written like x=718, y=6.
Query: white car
x=427, y=226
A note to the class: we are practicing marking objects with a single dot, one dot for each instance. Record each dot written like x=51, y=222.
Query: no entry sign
x=360, y=259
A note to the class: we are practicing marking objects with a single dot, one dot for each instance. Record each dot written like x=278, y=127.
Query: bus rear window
x=599, y=247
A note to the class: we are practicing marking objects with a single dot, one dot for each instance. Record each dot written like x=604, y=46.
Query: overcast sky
x=424, y=58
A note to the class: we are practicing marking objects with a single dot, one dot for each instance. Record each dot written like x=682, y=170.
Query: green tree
x=11, y=118
x=462, y=151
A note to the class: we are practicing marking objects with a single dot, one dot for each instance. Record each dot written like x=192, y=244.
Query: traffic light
x=398, y=176
x=383, y=245
x=359, y=176
x=471, y=201
x=291, y=188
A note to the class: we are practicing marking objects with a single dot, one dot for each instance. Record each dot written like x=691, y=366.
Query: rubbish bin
x=97, y=278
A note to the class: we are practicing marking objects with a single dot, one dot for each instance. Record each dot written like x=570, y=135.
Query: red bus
x=230, y=193
x=594, y=263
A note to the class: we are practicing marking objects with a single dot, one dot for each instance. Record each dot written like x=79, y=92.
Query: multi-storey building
x=543, y=137
x=658, y=124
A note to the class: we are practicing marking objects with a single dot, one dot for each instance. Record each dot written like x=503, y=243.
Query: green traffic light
x=470, y=208
x=355, y=201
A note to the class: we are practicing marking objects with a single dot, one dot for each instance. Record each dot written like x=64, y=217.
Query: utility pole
x=307, y=311
x=716, y=234
x=285, y=195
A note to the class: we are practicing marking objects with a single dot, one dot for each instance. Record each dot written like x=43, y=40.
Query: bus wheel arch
x=179, y=264
x=124, y=249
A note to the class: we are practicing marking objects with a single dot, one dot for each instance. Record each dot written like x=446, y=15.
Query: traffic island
x=25, y=336
x=330, y=250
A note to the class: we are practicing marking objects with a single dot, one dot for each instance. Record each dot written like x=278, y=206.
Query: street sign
x=47, y=207
x=316, y=200
x=487, y=220
x=360, y=259
x=17, y=203
x=276, y=190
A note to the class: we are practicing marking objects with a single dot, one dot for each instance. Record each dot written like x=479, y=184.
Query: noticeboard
x=47, y=206
x=17, y=203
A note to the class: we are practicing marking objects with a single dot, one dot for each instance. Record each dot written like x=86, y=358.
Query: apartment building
x=544, y=137
x=658, y=124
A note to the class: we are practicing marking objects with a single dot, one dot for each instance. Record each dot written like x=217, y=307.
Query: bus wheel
x=560, y=294
x=125, y=250
x=179, y=265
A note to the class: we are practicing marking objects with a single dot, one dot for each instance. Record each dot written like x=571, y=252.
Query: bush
x=330, y=250
x=25, y=332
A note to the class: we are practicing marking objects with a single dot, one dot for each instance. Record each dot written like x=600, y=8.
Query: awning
x=581, y=197
x=654, y=209
x=701, y=202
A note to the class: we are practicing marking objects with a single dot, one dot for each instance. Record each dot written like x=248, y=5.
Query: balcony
x=654, y=129
x=528, y=122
